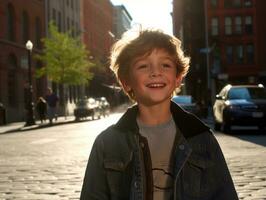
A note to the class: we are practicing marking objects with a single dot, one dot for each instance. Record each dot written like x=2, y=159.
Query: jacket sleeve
x=94, y=183
x=225, y=188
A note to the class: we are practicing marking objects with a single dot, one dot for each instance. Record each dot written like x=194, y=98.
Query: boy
x=156, y=150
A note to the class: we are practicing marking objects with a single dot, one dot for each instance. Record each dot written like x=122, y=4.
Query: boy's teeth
x=156, y=85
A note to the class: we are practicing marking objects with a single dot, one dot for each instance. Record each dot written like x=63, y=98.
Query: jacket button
x=181, y=147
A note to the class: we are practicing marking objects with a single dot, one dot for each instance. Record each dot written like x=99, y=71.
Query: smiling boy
x=156, y=150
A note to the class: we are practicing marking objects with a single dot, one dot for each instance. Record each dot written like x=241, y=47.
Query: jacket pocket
x=195, y=177
x=117, y=178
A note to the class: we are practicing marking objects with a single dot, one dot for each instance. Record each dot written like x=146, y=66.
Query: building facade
x=122, y=20
x=225, y=41
x=189, y=27
x=98, y=37
x=20, y=21
x=66, y=15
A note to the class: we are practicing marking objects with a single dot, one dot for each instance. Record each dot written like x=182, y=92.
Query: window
x=228, y=25
x=12, y=82
x=247, y=3
x=38, y=32
x=214, y=26
x=10, y=23
x=248, y=25
x=77, y=29
x=68, y=24
x=59, y=22
x=54, y=15
x=238, y=25
x=25, y=27
x=239, y=54
x=236, y=3
x=72, y=29
x=250, y=53
x=214, y=3
x=72, y=4
x=232, y=3
x=70, y=93
x=229, y=54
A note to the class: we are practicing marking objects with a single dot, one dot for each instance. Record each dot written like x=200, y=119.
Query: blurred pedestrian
x=41, y=108
x=51, y=100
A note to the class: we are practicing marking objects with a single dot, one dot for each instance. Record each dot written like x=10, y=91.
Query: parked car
x=87, y=108
x=105, y=106
x=238, y=105
x=187, y=103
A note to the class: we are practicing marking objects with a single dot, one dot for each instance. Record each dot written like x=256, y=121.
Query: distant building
x=235, y=38
x=96, y=26
x=98, y=37
x=189, y=27
x=122, y=20
x=66, y=14
x=19, y=21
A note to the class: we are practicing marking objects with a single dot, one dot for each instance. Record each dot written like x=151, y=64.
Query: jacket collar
x=188, y=124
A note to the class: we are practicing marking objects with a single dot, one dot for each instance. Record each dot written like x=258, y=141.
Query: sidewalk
x=19, y=126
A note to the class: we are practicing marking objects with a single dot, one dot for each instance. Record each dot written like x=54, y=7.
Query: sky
x=149, y=13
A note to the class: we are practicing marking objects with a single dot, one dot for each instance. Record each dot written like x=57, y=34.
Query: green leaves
x=66, y=59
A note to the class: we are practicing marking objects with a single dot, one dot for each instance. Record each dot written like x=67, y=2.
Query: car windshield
x=183, y=99
x=81, y=103
x=247, y=93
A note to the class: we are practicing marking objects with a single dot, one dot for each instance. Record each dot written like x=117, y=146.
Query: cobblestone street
x=245, y=155
x=49, y=163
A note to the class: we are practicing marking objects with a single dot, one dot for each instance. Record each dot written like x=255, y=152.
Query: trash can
x=2, y=114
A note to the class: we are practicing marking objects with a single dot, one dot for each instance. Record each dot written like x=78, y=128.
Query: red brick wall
x=97, y=22
x=34, y=8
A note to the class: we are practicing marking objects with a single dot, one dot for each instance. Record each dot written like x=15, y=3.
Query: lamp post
x=30, y=117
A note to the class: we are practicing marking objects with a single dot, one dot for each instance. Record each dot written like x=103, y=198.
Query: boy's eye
x=141, y=66
x=167, y=65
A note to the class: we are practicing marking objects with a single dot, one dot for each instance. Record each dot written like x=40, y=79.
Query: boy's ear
x=179, y=79
x=125, y=85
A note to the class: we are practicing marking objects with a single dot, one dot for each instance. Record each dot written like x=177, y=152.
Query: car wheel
x=217, y=126
x=227, y=128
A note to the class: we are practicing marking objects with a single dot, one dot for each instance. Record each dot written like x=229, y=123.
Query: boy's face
x=153, y=78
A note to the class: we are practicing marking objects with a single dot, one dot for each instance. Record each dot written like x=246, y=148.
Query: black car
x=240, y=105
x=187, y=103
x=87, y=108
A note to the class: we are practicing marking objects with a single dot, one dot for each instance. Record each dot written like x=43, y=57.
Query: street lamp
x=30, y=117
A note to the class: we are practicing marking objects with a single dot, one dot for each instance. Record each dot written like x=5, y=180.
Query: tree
x=66, y=59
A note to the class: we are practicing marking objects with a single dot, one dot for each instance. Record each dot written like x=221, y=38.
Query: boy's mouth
x=155, y=85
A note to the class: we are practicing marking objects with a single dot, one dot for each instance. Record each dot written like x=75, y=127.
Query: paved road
x=245, y=154
x=49, y=163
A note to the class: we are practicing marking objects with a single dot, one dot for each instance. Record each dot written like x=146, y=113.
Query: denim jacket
x=119, y=167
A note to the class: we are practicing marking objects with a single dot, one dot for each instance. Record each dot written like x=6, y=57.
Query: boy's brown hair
x=142, y=43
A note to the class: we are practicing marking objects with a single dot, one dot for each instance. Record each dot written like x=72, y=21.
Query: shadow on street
x=254, y=136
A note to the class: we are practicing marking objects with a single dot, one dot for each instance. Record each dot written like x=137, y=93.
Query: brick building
x=19, y=21
x=235, y=41
x=97, y=35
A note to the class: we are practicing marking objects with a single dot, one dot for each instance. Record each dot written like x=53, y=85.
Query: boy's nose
x=155, y=71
